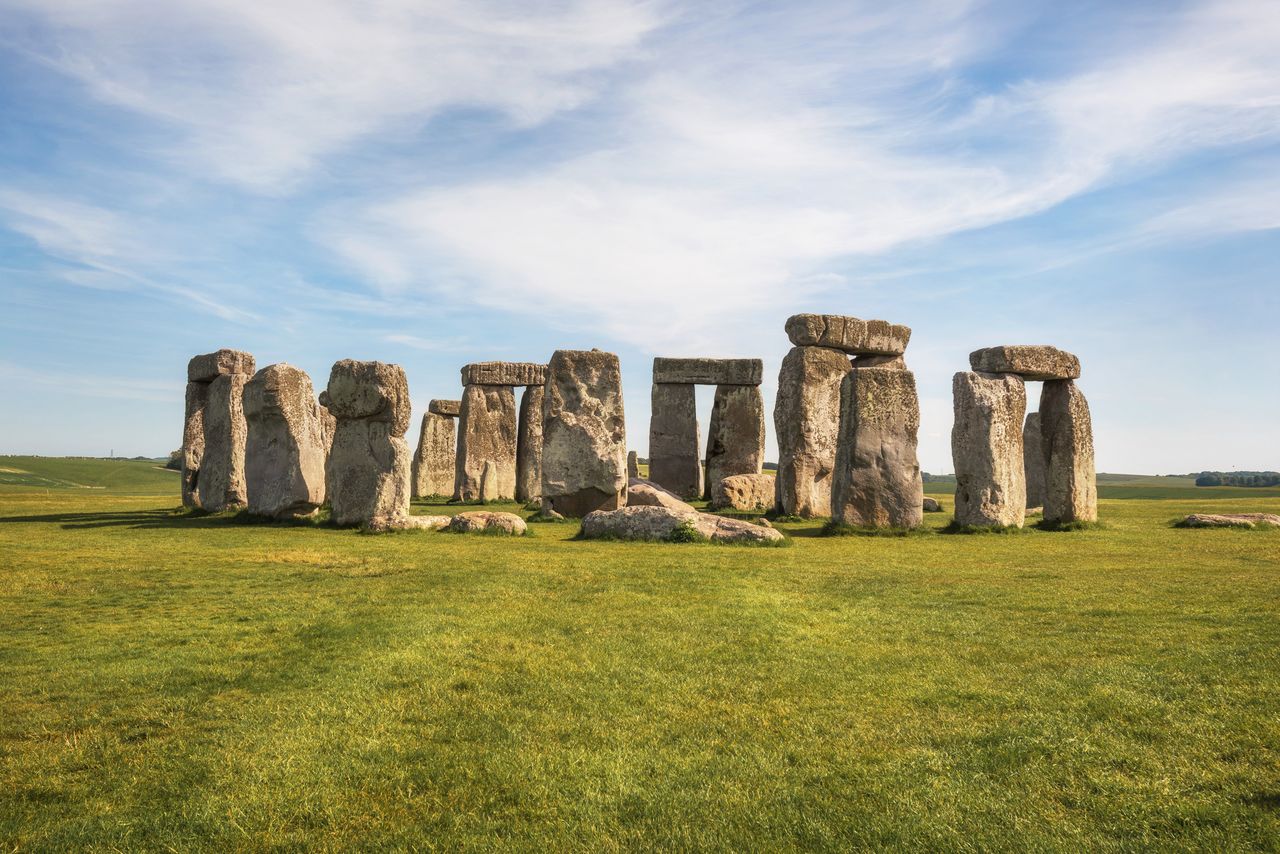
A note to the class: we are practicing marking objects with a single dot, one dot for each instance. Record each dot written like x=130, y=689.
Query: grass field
x=190, y=683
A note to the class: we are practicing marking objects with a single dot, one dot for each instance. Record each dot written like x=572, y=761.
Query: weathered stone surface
x=1029, y=361
x=221, y=483
x=376, y=391
x=806, y=420
x=895, y=362
x=1033, y=460
x=546, y=514
x=718, y=529
x=848, y=334
x=931, y=505
x=367, y=476
x=877, y=480
x=529, y=445
x=986, y=448
x=489, y=482
x=486, y=432
x=447, y=408
x=633, y=465
x=660, y=523
x=735, y=437
x=285, y=451
x=708, y=371
x=673, y=440
x=208, y=367
x=193, y=442
x=504, y=373
x=744, y=492
x=1066, y=429
x=584, y=433
x=646, y=493
x=484, y=521
x=1229, y=520
x=434, y=462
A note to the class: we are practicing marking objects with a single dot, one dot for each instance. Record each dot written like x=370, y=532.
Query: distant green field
x=133, y=477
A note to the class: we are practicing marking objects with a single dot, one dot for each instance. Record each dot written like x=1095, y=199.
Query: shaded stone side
x=435, y=460
x=286, y=449
x=221, y=483
x=584, y=438
x=986, y=449
x=806, y=421
x=673, y=440
x=193, y=442
x=529, y=444
x=877, y=479
x=1033, y=460
x=1066, y=428
x=708, y=371
x=450, y=408
x=735, y=436
x=486, y=433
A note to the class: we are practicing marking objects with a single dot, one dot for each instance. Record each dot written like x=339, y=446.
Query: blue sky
x=433, y=183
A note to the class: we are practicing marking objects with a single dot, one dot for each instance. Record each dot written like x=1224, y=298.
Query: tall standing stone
x=986, y=449
x=877, y=480
x=213, y=434
x=673, y=440
x=1033, y=460
x=286, y=449
x=1066, y=427
x=193, y=442
x=633, y=465
x=584, y=439
x=434, y=461
x=486, y=433
x=735, y=436
x=529, y=444
x=806, y=420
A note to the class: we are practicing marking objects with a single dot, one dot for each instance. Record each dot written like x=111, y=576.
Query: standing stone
x=806, y=420
x=285, y=453
x=673, y=440
x=434, y=462
x=877, y=479
x=221, y=478
x=1033, y=460
x=584, y=440
x=986, y=449
x=633, y=465
x=486, y=432
x=489, y=482
x=193, y=443
x=529, y=445
x=367, y=475
x=735, y=437
x=1071, y=492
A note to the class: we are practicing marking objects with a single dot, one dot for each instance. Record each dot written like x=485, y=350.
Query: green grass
x=115, y=476
x=191, y=683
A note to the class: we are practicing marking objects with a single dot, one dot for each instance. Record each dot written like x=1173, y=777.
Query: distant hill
x=1238, y=478
x=135, y=476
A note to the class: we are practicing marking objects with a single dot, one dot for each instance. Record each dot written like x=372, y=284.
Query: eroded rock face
x=1230, y=520
x=447, y=408
x=529, y=445
x=744, y=492
x=708, y=371
x=228, y=457
x=662, y=523
x=931, y=505
x=633, y=465
x=486, y=522
x=434, y=462
x=208, y=367
x=221, y=482
x=1033, y=460
x=806, y=420
x=504, y=373
x=486, y=433
x=877, y=479
x=735, y=438
x=193, y=442
x=285, y=452
x=673, y=440
x=848, y=334
x=375, y=391
x=1029, y=361
x=1066, y=429
x=646, y=493
x=584, y=438
x=986, y=448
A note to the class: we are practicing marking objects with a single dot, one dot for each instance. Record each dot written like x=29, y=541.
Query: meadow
x=180, y=682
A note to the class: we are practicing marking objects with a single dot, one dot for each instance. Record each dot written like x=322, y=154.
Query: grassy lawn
x=193, y=683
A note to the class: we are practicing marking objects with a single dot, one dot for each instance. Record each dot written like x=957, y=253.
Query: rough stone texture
x=529, y=445
x=673, y=440
x=848, y=334
x=718, y=529
x=708, y=371
x=931, y=505
x=489, y=482
x=1230, y=520
x=375, y=391
x=546, y=514
x=744, y=492
x=1033, y=460
x=659, y=523
x=633, y=465
x=806, y=421
x=447, y=408
x=208, y=367
x=285, y=451
x=895, y=362
x=434, y=461
x=1029, y=361
x=221, y=482
x=1066, y=429
x=193, y=442
x=328, y=426
x=986, y=449
x=646, y=493
x=877, y=475
x=735, y=437
x=504, y=373
x=484, y=521
x=486, y=432
x=584, y=434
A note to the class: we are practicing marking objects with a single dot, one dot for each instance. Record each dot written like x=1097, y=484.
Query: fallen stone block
x=646, y=493
x=931, y=505
x=1230, y=520
x=486, y=522
x=665, y=524
x=744, y=492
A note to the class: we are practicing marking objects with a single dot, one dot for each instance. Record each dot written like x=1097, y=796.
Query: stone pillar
x=486, y=433
x=214, y=463
x=877, y=474
x=806, y=420
x=584, y=439
x=193, y=442
x=673, y=440
x=529, y=445
x=735, y=436
x=633, y=465
x=286, y=449
x=1033, y=460
x=367, y=475
x=435, y=459
x=986, y=449
x=1071, y=492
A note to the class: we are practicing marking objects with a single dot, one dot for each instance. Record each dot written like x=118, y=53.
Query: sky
x=437, y=182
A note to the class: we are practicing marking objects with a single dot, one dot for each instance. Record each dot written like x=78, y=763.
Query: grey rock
x=504, y=373
x=376, y=391
x=708, y=371
x=193, y=442
x=435, y=460
x=208, y=367
x=1033, y=460
x=719, y=529
x=1230, y=520
x=877, y=479
x=1029, y=361
x=646, y=493
x=529, y=445
x=986, y=447
x=633, y=465
x=931, y=505
x=661, y=523
x=285, y=449
x=484, y=521
x=1066, y=429
x=546, y=514
x=735, y=437
x=806, y=420
x=486, y=433
x=584, y=434
x=221, y=483
x=447, y=408
x=848, y=334
x=895, y=362
x=744, y=492
x=673, y=440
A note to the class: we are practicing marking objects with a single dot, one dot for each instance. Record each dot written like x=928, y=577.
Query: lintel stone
x=707, y=371
x=1029, y=361
x=504, y=373
x=447, y=408
x=851, y=335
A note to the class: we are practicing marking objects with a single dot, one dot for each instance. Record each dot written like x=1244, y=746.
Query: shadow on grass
x=840, y=529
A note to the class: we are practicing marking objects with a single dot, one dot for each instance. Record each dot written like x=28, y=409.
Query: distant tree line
x=937, y=478
x=1238, y=478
